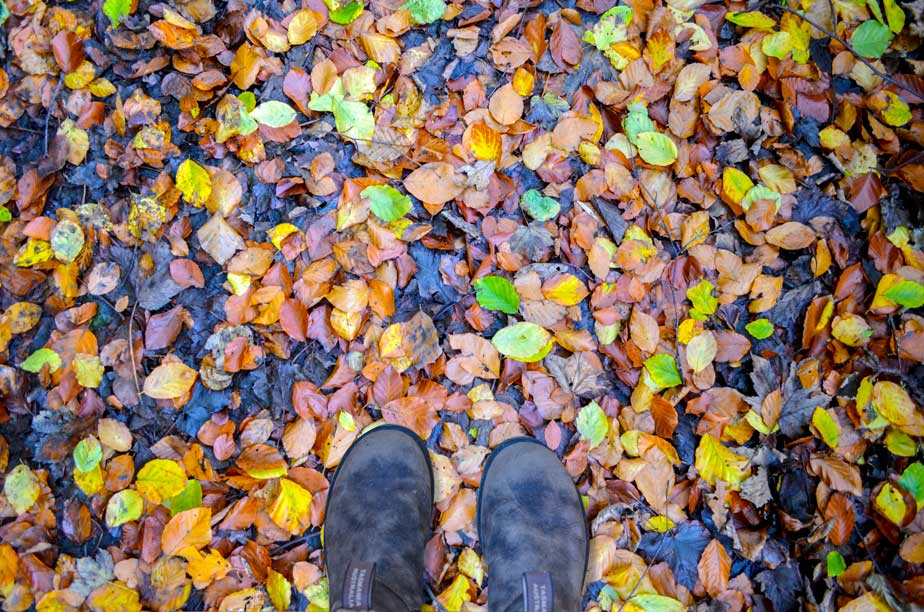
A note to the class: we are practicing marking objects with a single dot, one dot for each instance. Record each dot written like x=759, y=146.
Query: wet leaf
x=21, y=488
x=592, y=424
x=871, y=39
x=123, y=507
x=386, y=202
x=194, y=182
x=160, y=479
x=523, y=341
x=663, y=371
x=273, y=114
x=497, y=293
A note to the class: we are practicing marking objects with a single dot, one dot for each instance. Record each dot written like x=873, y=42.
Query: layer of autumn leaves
x=667, y=238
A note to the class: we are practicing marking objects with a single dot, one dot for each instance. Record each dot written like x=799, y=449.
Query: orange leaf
x=190, y=528
x=714, y=568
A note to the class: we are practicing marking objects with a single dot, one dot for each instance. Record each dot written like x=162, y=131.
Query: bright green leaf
x=760, y=328
x=836, y=564
x=912, y=480
x=637, y=122
x=5, y=214
x=386, y=202
x=538, y=206
x=524, y=341
x=124, y=506
x=656, y=148
x=875, y=10
x=663, y=370
x=704, y=303
x=871, y=39
x=87, y=454
x=346, y=14
x=189, y=498
x=273, y=113
x=592, y=424
x=906, y=293
x=115, y=10
x=249, y=100
x=497, y=293
x=425, y=11
x=39, y=358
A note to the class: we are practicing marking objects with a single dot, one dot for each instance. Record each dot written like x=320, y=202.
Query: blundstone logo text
x=357, y=592
x=538, y=592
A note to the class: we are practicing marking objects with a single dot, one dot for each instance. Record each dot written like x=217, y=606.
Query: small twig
x=131, y=350
x=51, y=107
x=882, y=75
x=436, y=602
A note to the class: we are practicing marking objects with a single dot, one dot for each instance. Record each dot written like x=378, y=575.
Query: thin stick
x=51, y=107
x=847, y=46
x=131, y=350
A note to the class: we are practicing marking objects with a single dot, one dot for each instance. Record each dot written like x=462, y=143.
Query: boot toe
x=532, y=529
x=378, y=520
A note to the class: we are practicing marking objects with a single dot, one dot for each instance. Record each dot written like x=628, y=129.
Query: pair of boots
x=379, y=517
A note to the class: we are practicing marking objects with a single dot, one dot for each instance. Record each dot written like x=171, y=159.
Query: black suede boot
x=378, y=521
x=532, y=529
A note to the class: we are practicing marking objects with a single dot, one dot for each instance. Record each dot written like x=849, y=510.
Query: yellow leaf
x=22, y=316
x=346, y=324
x=124, y=506
x=890, y=503
x=21, y=488
x=851, y=329
x=194, y=182
x=302, y=27
x=292, y=507
x=169, y=380
x=78, y=143
x=206, y=569
x=279, y=589
x=89, y=482
x=778, y=178
x=280, y=233
x=894, y=404
x=715, y=462
x=33, y=252
x=735, y=184
x=89, y=370
x=565, y=289
x=114, y=597
x=470, y=565
x=832, y=138
x=485, y=142
x=523, y=81
x=160, y=479
x=190, y=529
x=455, y=594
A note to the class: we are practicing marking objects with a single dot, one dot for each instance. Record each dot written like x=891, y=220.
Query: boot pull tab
x=537, y=592
x=357, y=586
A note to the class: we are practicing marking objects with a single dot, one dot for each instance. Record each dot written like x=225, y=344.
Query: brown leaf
x=714, y=568
x=434, y=183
